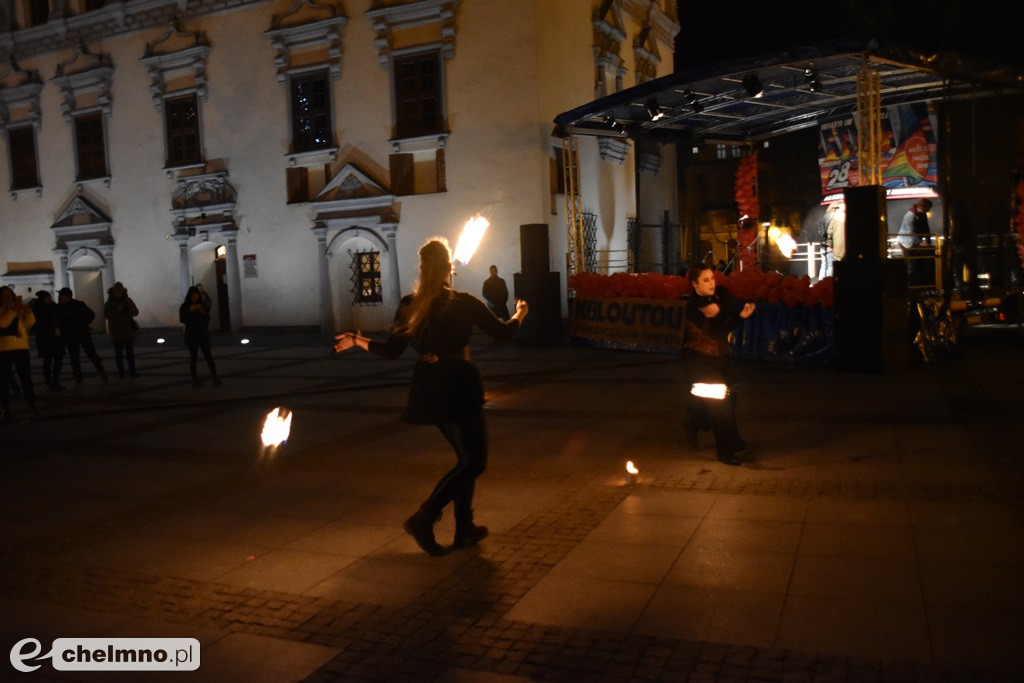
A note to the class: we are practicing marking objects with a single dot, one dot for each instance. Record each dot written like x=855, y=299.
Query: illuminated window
x=720, y=152
x=181, y=117
x=366, y=277
x=24, y=166
x=311, y=112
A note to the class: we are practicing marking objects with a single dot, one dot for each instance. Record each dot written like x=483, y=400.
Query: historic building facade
x=293, y=156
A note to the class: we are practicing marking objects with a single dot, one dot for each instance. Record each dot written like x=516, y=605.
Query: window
x=24, y=167
x=418, y=96
x=38, y=12
x=181, y=116
x=311, y=113
x=367, y=277
x=720, y=151
x=90, y=146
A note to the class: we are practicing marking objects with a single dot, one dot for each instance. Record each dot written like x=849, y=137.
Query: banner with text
x=908, y=159
x=636, y=324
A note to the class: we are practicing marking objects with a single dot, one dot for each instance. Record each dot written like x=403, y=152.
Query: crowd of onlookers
x=63, y=329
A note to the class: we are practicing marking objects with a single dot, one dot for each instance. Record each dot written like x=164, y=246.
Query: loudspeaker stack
x=539, y=287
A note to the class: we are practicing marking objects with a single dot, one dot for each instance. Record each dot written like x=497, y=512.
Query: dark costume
x=73, y=320
x=447, y=391
x=195, y=316
x=705, y=353
x=45, y=332
x=120, y=312
x=495, y=291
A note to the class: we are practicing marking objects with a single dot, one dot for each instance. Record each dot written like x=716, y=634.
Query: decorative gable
x=309, y=33
x=176, y=55
x=84, y=82
x=81, y=220
x=424, y=22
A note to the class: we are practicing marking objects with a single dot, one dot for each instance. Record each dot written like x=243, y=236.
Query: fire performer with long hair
x=711, y=314
x=446, y=388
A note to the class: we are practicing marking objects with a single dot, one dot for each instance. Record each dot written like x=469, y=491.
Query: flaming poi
x=276, y=428
x=469, y=240
x=703, y=390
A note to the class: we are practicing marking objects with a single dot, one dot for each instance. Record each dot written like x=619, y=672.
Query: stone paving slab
x=877, y=515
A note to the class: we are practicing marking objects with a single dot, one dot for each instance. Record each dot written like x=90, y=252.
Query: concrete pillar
x=107, y=251
x=184, y=267
x=324, y=279
x=62, y=255
x=234, y=280
x=394, y=283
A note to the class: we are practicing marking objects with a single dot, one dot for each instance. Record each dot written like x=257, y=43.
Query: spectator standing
x=495, y=292
x=120, y=312
x=73, y=320
x=47, y=344
x=16, y=319
x=194, y=314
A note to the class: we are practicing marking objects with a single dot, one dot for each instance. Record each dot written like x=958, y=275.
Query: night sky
x=720, y=31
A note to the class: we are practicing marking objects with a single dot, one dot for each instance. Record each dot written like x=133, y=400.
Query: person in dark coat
x=120, y=312
x=45, y=332
x=194, y=314
x=446, y=388
x=73, y=319
x=711, y=314
x=495, y=292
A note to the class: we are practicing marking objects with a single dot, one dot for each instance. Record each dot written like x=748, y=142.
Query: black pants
x=125, y=349
x=72, y=346
x=19, y=361
x=717, y=415
x=469, y=439
x=194, y=347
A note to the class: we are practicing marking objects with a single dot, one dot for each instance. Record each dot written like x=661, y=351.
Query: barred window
x=366, y=277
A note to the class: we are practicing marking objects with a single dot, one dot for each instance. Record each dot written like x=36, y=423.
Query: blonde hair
x=435, y=273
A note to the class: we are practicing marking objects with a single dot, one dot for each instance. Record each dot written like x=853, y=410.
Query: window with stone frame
x=21, y=142
x=311, y=112
x=181, y=120
x=38, y=12
x=90, y=146
x=419, y=96
x=366, y=278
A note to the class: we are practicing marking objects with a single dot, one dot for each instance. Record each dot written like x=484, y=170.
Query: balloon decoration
x=745, y=187
x=748, y=285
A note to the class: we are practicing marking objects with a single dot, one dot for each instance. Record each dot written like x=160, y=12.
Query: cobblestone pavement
x=146, y=508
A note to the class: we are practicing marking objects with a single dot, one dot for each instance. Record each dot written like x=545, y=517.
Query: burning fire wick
x=631, y=472
x=469, y=240
x=276, y=429
x=702, y=390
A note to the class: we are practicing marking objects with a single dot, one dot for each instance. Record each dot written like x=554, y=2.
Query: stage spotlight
x=653, y=110
x=811, y=74
x=691, y=99
x=753, y=85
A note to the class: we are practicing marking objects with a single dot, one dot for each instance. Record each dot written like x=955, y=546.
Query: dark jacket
x=446, y=384
x=45, y=329
x=196, y=322
x=73, y=318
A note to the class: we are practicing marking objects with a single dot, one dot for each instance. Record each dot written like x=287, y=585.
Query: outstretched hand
x=748, y=309
x=522, y=308
x=346, y=340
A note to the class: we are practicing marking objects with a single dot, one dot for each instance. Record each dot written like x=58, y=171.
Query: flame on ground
x=276, y=427
x=631, y=468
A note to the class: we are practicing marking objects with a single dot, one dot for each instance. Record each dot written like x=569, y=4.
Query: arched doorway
x=85, y=267
x=358, y=267
x=209, y=269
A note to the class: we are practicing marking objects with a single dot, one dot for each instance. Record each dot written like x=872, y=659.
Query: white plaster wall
x=516, y=66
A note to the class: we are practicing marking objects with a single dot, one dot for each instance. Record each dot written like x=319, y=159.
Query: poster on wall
x=908, y=149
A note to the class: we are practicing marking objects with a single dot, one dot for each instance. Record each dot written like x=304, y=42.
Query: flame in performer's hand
x=469, y=240
x=709, y=390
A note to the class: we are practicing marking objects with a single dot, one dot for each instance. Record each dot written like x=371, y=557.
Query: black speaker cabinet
x=543, y=323
x=871, y=309
x=533, y=246
x=866, y=228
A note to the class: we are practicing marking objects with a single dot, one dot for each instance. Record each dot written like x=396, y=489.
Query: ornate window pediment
x=352, y=197
x=81, y=220
x=19, y=96
x=176, y=54
x=609, y=34
x=646, y=55
x=207, y=200
x=308, y=27
x=414, y=23
x=84, y=82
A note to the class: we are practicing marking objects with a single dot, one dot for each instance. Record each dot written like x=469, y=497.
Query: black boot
x=421, y=527
x=466, y=532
